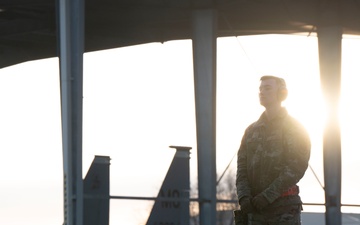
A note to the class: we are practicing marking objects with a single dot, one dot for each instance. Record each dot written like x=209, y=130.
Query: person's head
x=272, y=90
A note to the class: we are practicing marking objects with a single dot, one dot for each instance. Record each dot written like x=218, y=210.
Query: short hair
x=283, y=92
x=280, y=81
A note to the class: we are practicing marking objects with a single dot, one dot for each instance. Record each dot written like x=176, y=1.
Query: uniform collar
x=263, y=120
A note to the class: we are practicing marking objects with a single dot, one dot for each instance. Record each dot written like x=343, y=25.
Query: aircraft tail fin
x=96, y=192
x=172, y=203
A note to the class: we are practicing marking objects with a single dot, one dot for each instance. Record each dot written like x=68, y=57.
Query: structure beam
x=204, y=56
x=71, y=49
x=329, y=41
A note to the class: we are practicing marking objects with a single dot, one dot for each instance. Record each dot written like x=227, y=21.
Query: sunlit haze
x=139, y=100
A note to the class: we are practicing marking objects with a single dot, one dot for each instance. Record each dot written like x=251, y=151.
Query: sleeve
x=242, y=182
x=297, y=154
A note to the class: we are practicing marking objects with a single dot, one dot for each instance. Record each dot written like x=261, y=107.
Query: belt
x=293, y=190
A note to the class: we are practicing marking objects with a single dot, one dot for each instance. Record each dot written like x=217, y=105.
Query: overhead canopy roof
x=28, y=28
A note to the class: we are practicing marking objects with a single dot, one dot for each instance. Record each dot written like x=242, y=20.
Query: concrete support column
x=204, y=55
x=329, y=41
x=71, y=47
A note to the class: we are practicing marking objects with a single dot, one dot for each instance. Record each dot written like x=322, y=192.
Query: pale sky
x=139, y=100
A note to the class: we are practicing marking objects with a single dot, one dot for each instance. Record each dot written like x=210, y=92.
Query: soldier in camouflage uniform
x=272, y=158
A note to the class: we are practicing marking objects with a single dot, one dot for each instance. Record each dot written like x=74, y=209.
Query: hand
x=260, y=202
x=245, y=205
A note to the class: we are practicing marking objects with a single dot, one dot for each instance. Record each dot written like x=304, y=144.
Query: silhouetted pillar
x=71, y=46
x=329, y=40
x=204, y=56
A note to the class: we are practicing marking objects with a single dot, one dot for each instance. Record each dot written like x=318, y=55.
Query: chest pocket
x=255, y=145
x=274, y=147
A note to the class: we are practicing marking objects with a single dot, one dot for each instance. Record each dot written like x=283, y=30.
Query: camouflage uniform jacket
x=273, y=156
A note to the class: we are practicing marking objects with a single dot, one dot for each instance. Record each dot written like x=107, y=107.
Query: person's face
x=268, y=93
